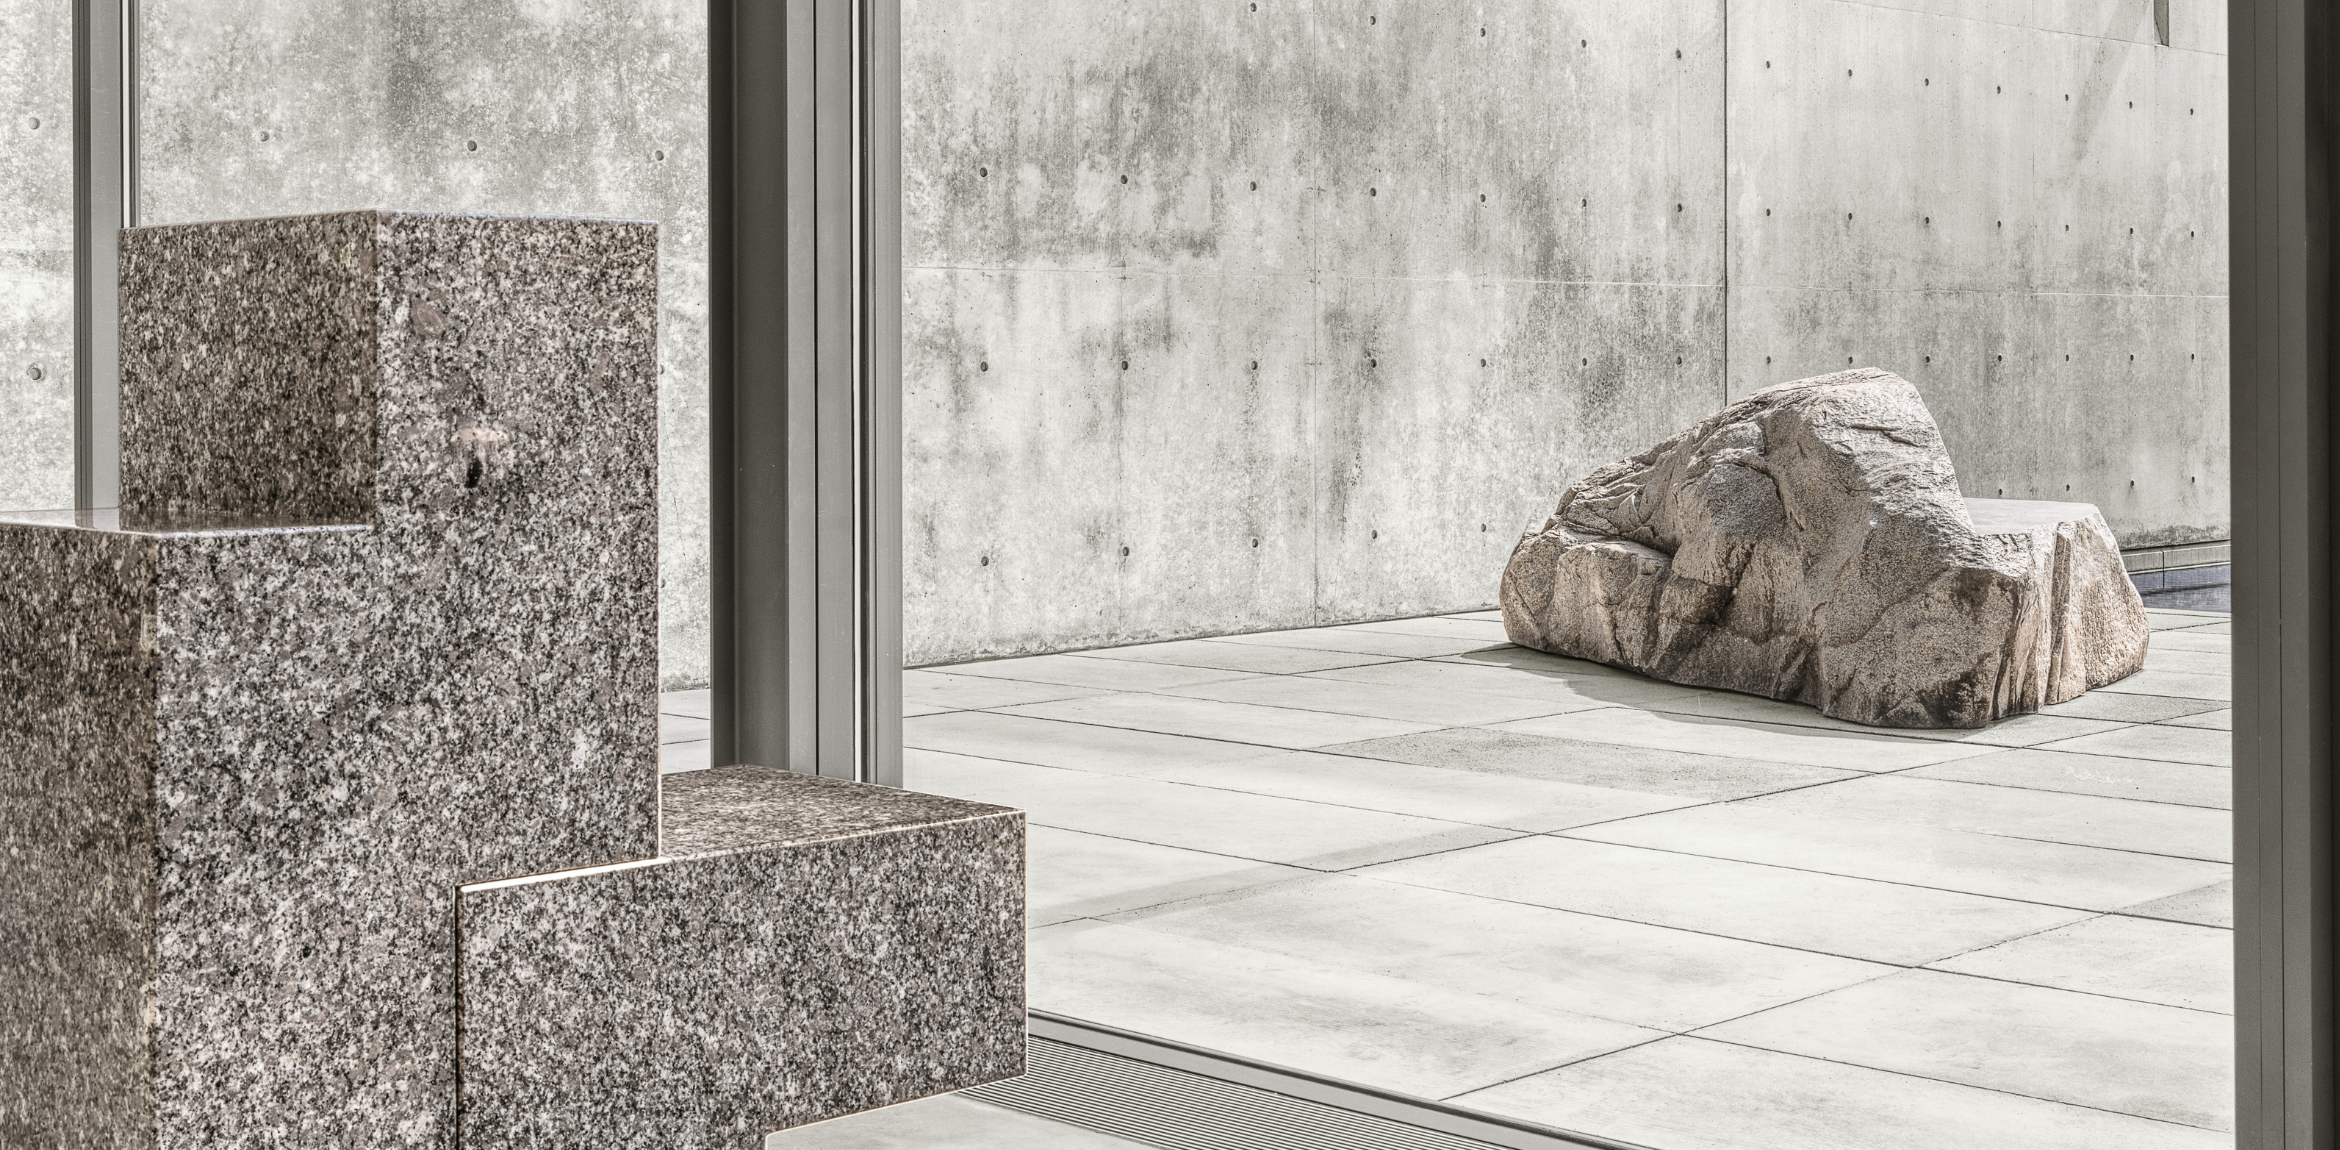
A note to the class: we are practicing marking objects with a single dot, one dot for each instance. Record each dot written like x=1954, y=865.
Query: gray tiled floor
x=1405, y=854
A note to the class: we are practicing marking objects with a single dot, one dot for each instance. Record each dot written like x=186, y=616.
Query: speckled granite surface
x=76, y=902
x=377, y=622
x=808, y=949
x=339, y=726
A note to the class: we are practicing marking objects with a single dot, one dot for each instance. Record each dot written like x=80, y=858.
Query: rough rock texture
x=1809, y=543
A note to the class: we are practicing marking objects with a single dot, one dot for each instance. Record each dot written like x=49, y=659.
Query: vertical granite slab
x=805, y=949
x=77, y=715
x=390, y=497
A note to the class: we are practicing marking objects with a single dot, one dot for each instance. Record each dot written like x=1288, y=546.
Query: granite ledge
x=111, y=521
x=731, y=809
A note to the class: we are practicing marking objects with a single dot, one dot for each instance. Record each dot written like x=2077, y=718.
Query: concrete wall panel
x=2036, y=394
x=1043, y=458
x=2029, y=224
x=266, y=107
x=1098, y=135
x=36, y=253
x=1454, y=414
x=1885, y=149
x=1520, y=140
x=2196, y=24
x=1594, y=130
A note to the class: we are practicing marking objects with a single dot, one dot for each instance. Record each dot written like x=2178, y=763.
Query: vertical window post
x=104, y=202
x=2284, y=95
x=804, y=388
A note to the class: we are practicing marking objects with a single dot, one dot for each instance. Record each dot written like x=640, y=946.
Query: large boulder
x=1809, y=543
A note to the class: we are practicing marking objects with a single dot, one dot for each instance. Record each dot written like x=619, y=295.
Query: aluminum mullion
x=837, y=376
x=2282, y=60
x=807, y=298
x=104, y=147
x=880, y=135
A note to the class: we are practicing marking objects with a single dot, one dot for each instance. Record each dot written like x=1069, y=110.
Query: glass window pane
x=1248, y=348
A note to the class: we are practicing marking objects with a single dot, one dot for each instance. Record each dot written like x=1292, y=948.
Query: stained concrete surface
x=36, y=254
x=1286, y=314
x=2027, y=220
x=1296, y=184
x=1477, y=250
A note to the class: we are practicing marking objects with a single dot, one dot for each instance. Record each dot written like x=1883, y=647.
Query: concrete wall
x=36, y=254
x=1478, y=249
x=1483, y=254
x=1192, y=189
x=2025, y=215
x=559, y=107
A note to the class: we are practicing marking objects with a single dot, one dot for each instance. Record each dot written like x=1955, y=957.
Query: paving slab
x=1855, y=918
x=2090, y=878
x=2112, y=1054
x=1535, y=956
x=1080, y=670
x=1441, y=706
x=1224, y=656
x=2149, y=780
x=948, y=1120
x=2045, y=816
x=937, y=691
x=2211, y=905
x=2169, y=743
x=1211, y=718
x=2171, y=963
x=1693, y=1094
x=1803, y=746
x=1288, y=1009
x=1594, y=764
x=2122, y=708
x=1458, y=796
x=1076, y=746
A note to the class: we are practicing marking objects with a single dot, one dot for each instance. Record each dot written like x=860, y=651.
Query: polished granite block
x=389, y=567
x=804, y=949
x=376, y=624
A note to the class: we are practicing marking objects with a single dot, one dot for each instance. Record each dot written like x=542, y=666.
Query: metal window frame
x=105, y=200
x=2284, y=124
x=805, y=398
x=2284, y=59
x=804, y=387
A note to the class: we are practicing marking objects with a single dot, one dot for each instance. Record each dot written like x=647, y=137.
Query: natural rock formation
x=1809, y=543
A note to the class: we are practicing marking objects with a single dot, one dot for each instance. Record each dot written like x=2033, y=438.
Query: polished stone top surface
x=743, y=808
x=111, y=520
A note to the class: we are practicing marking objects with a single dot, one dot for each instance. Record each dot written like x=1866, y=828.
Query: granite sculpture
x=1809, y=543
x=331, y=812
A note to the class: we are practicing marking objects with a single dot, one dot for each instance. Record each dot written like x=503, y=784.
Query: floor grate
x=1176, y=1110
